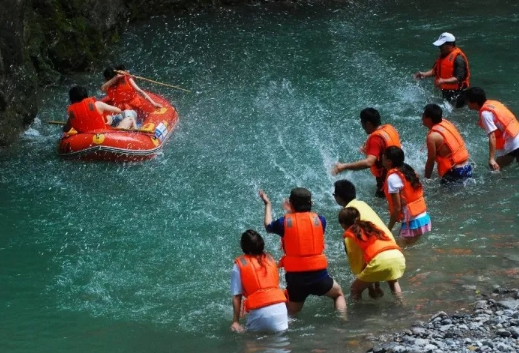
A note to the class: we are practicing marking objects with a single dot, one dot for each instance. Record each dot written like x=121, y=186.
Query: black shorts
x=514, y=153
x=455, y=97
x=302, y=284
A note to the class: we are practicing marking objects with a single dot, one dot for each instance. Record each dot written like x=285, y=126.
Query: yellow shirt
x=355, y=256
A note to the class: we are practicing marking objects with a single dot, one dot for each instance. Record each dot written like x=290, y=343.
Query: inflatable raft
x=112, y=144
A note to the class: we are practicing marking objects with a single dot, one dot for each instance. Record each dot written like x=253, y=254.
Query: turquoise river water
x=103, y=257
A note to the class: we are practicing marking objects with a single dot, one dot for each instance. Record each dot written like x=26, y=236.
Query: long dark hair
x=349, y=217
x=396, y=156
x=252, y=244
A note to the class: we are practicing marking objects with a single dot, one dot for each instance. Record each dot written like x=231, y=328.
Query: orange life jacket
x=303, y=243
x=125, y=96
x=371, y=246
x=83, y=116
x=413, y=199
x=455, y=144
x=444, y=68
x=122, y=91
x=391, y=138
x=504, y=119
x=260, y=282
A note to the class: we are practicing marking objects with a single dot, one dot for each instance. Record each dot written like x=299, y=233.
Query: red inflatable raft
x=112, y=144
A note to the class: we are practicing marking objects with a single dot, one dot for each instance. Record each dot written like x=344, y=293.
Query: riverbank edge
x=493, y=326
x=43, y=41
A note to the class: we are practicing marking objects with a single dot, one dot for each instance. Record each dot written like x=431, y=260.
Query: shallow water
x=137, y=257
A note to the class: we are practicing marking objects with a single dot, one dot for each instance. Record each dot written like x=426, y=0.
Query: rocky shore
x=492, y=327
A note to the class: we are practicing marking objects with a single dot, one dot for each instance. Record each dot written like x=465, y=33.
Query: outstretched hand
x=336, y=169
x=263, y=196
x=418, y=76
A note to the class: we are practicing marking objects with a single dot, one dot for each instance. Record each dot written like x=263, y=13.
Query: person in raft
x=501, y=126
x=380, y=137
x=404, y=194
x=124, y=92
x=451, y=70
x=383, y=257
x=302, y=238
x=445, y=147
x=87, y=114
x=345, y=195
x=255, y=277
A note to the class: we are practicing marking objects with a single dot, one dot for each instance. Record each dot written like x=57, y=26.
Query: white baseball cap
x=444, y=38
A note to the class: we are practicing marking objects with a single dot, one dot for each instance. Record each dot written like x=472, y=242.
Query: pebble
x=493, y=326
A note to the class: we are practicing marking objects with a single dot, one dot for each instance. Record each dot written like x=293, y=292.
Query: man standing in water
x=380, y=138
x=451, y=70
x=501, y=126
x=302, y=237
x=445, y=147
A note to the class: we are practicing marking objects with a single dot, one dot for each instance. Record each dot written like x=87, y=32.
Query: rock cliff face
x=44, y=39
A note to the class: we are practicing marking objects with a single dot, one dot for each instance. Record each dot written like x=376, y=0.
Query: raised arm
x=268, y=208
x=110, y=82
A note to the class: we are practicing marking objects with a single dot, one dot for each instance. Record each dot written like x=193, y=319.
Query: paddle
x=54, y=122
x=149, y=80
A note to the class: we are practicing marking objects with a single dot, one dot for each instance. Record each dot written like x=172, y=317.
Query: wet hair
x=396, y=156
x=370, y=115
x=349, y=217
x=252, y=244
x=475, y=95
x=77, y=94
x=345, y=190
x=109, y=73
x=301, y=199
x=433, y=112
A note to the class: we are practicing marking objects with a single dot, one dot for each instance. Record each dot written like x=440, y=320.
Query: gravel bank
x=492, y=327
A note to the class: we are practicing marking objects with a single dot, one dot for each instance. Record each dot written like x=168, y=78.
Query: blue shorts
x=457, y=175
x=116, y=119
x=302, y=284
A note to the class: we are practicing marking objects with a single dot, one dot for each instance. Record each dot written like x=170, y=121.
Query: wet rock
x=503, y=333
x=492, y=327
x=509, y=304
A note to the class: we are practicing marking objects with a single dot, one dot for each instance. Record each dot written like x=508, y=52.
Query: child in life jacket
x=383, y=257
x=302, y=238
x=124, y=93
x=404, y=194
x=255, y=277
x=88, y=114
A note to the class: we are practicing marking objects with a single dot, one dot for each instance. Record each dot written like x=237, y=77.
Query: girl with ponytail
x=384, y=261
x=404, y=194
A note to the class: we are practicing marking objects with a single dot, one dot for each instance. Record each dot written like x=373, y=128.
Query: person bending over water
x=255, y=277
x=383, y=257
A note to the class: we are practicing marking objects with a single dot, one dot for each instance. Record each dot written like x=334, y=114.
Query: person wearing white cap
x=451, y=70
